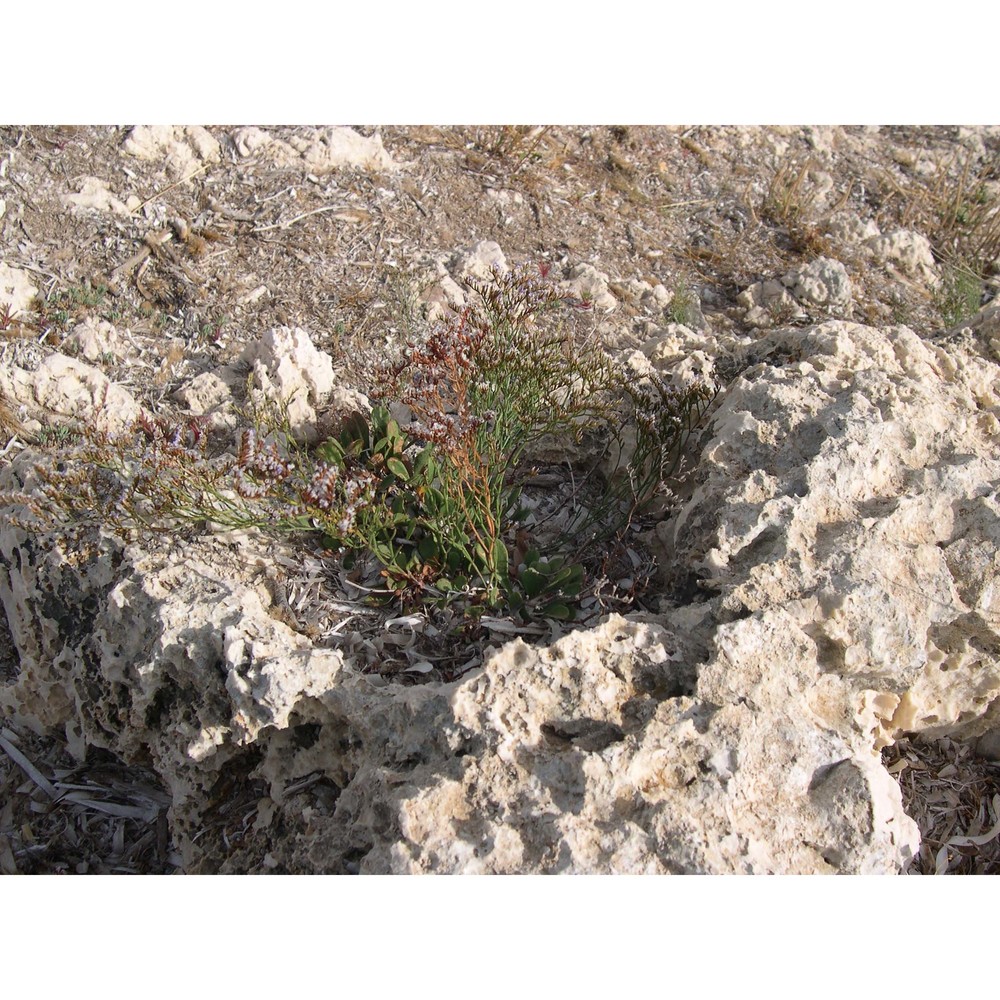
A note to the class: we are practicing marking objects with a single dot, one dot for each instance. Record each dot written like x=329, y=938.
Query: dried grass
x=953, y=795
x=59, y=816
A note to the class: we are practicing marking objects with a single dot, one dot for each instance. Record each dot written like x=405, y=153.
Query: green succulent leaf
x=428, y=549
x=397, y=468
x=568, y=580
x=500, y=559
x=331, y=451
x=559, y=611
x=355, y=433
x=533, y=582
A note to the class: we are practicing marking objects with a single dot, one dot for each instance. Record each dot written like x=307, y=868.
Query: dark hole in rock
x=306, y=735
x=686, y=588
x=160, y=705
x=10, y=660
x=591, y=735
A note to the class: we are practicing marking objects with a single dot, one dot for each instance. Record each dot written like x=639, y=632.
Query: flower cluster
x=447, y=429
x=321, y=490
x=516, y=295
x=663, y=415
x=433, y=501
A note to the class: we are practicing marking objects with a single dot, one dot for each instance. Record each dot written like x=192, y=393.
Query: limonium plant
x=429, y=482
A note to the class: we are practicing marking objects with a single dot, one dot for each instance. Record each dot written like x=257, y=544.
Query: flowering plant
x=436, y=496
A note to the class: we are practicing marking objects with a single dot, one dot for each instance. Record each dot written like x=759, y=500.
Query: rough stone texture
x=434, y=290
x=323, y=151
x=181, y=149
x=95, y=340
x=907, y=252
x=822, y=282
x=823, y=285
x=64, y=387
x=286, y=367
x=206, y=393
x=671, y=345
x=851, y=228
x=593, y=756
x=94, y=194
x=479, y=261
x=292, y=362
x=849, y=501
x=768, y=303
x=985, y=328
x=845, y=529
x=249, y=140
x=585, y=282
x=642, y=295
x=604, y=752
x=437, y=287
x=151, y=654
x=16, y=290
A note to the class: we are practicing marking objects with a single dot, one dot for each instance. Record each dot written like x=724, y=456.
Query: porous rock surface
x=840, y=549
x=848, y=503
x=321, y=151
x=285, y=368
x=822, y=283
x=93, y=194
x=180, y=149
x=907, y=251
x=64, y=387
x=16, y=290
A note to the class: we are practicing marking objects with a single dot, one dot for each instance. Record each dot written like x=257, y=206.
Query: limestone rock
x=671, y=344
x=642, y=295
x=153, y=655
x=586, y=283
x=16, y=290
x=204, y=393
x=851, y=228
x=984, y=328
x=323, y=151
x=440, y=297
x=181, y=149
x=823, y=284
x=851, y=496
x=657, y=298
x=95, y=339
x=907, y=252
x=210, y=394
x=439, y=287
x=769, y=303
x=94, y=194
x=249, y=140
x=68, y=388
x=292, y=362
x=604, y=752
x=288, y=367
x=822, y=137
x=480, y=262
